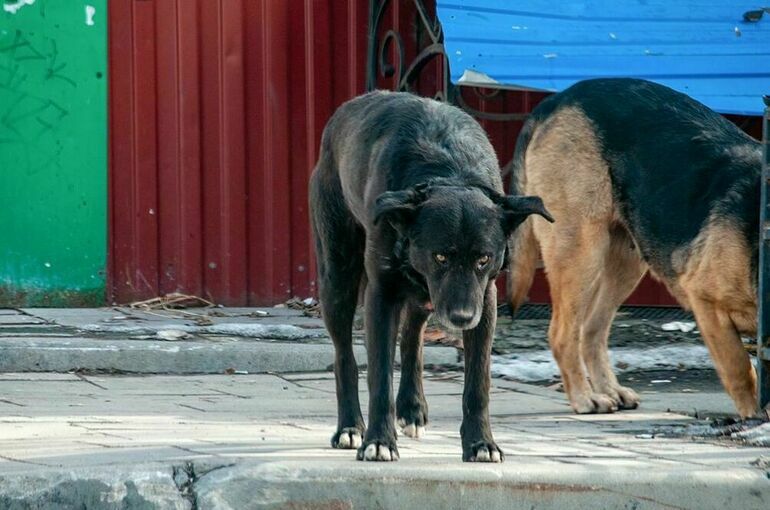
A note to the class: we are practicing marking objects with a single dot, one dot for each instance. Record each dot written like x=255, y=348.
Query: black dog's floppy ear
x=398, y=207
x=516, y=209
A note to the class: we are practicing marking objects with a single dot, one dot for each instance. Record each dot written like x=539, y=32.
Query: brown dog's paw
x=592, y=403
x=483, y=451
x=383, y=451
x=348, y=438
x=624, y=398
x=627, y=398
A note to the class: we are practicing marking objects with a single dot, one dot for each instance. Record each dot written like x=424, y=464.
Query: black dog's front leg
x=411, y=407
x=383, y=310
x=476, y=434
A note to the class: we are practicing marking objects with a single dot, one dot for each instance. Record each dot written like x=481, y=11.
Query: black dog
x=407, y=192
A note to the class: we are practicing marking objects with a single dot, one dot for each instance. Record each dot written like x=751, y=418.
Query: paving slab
x=92, y=337
x=262, y=441
x=195, y=356
x=201, y=341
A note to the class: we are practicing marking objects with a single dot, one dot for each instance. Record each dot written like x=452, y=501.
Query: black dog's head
x=457, y=238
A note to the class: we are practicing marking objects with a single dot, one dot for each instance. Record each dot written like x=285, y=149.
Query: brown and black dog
x=638, y=177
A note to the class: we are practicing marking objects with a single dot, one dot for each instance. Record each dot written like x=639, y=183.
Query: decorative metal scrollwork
x=387, y=57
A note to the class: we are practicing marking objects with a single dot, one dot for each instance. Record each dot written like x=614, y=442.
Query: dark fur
x=672, y=162
x=399, y=180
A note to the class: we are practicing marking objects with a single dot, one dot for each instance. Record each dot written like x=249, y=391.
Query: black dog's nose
x=461, y=318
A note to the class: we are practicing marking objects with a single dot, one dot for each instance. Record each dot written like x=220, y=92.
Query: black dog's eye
x=483, y=261
x=440, y=258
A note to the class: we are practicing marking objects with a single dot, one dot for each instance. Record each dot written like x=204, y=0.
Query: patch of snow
x=275, y=331
x=471, y=77
x=757, y=436
x=172, y=335
x=540, y=365
x=683, y=326
x=247, y=330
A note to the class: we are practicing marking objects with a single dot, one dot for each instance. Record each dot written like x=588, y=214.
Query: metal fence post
x=763, y=333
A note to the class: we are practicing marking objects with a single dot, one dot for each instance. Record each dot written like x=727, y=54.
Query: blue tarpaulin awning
x=705, y=48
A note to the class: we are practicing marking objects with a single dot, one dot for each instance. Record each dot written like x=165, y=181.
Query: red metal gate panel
x=216, y=110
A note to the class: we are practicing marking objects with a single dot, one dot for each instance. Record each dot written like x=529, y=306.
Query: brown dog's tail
x=523, y=248
x=522, y=262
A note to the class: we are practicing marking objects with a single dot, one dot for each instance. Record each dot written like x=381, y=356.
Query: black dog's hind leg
x=476, y=434
x=411, y=407
x=383, y=310
x=339, y=252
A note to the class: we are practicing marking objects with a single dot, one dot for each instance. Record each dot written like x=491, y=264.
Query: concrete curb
x=119, y=487
x=181, y=357
x=351, y=484
x=298, y=484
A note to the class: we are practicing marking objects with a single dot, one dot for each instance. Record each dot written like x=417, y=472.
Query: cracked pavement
x=262, y=441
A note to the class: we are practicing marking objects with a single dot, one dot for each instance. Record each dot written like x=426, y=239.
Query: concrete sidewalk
x=257, y=340
x=262, y=441
x=193, y=341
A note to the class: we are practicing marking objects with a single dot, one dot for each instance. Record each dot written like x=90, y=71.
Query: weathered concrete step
x=63, y=354
x=350, y=484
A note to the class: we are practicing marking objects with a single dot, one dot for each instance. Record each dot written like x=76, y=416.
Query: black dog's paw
x=378, y=450
x=348, y=438
x=412, y=417
x=483, y=451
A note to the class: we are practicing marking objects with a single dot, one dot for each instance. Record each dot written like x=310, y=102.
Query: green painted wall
x=53, y=152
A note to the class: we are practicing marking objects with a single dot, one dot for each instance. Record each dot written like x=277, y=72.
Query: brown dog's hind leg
x=730, y=357
x=623, y=268
x=573, y=256
x=411, y=407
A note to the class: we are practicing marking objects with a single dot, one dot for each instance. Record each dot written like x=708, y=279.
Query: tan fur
x=592, y=265
x=524, y=255
x=718, y=286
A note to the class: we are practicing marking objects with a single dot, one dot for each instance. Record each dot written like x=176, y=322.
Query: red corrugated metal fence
x=216, y=109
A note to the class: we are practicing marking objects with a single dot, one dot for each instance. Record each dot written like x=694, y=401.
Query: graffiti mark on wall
x=14, y=7
x=31, y=112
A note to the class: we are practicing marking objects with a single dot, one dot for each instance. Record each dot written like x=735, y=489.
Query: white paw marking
x=414, y=431
x=496, y=456
x=349, y=441
x=482, y=455
x=381, y=452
